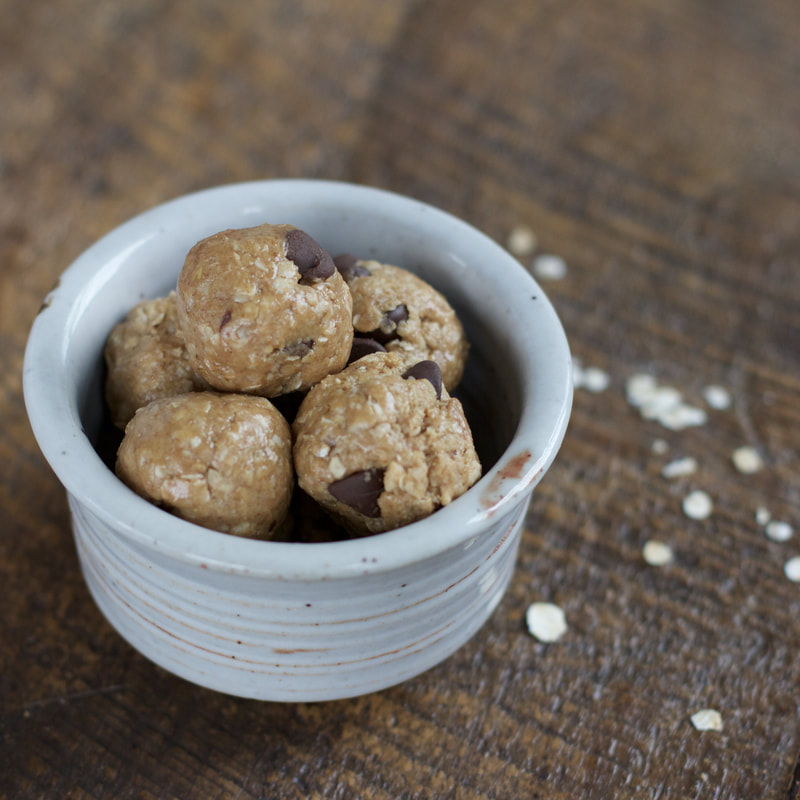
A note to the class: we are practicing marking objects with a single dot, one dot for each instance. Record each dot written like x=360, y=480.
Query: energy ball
x=263, y=311
x=381, y=444
x=405, y=314
x=222, y=461
x=146, y=359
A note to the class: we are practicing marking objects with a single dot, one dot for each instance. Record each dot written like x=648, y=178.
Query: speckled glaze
x=280, y=621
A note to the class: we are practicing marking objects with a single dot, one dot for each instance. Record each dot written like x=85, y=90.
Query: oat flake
x=639, y=388
x=762, y=515
x=656, y=553
x=659, y=447
x=521, y=241
x=707, y=719
x=747, y=460
x=778, y=531
x=549, y=267
x=792, y=569
x=717, y=397
x=664, y=404
x=683, y=416
x=697, y=505
x=659, y=401
x=546, y=621
x=679, y=468
x=593, y=379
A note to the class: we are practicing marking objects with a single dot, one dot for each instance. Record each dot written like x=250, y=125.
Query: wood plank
x=653, y=146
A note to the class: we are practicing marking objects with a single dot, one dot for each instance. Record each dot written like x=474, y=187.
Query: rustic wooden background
x=655, y=146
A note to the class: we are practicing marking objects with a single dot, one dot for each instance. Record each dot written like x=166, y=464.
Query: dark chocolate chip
x=344, y=261
x=427, y=371
x=313, y=263
x=302, y=249
x=362, y=346
x=397, y=315
x=348, y=266
x=226, y=318
x=360, y=491
x=387, y=330
x=299, y=348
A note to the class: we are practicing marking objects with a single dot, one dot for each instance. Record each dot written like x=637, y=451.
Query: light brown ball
x=146, y=359
x=406, y=315
x=263, y=311
x=222, y=461
x=380, y=445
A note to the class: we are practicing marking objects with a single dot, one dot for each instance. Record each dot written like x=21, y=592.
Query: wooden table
x=655, y=147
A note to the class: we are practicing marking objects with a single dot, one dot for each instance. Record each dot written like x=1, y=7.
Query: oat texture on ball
x=405, y=314
x=146, y=359
x=263, y=311
x=382, y=444
x=222, y=461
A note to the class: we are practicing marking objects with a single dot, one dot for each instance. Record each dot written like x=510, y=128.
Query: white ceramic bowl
x=285, y=621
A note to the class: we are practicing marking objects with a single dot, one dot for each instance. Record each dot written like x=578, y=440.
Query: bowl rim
x=55, y=421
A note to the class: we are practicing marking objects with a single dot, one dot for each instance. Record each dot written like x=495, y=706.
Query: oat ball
x=220, y=460
x=382, y=444
x=405, y=314
x=263, y=311
x=146, y=359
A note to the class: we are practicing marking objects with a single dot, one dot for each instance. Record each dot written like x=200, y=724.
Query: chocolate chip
x=360, y=490
x=300, y=348
x=348, y=266
x=313, y=263
x=387, y=330
x=362, y=346
x=397, y=315
x=427, y=371
x=344, y=261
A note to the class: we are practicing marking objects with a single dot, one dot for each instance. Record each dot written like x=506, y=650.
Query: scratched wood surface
x=656, y=148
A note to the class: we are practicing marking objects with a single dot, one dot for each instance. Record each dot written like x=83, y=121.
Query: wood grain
x=652, y=145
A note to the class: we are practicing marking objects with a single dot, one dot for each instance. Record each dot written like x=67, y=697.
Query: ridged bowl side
x=276, y=639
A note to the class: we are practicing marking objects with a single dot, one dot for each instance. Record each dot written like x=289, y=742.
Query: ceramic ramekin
x=281, y=621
